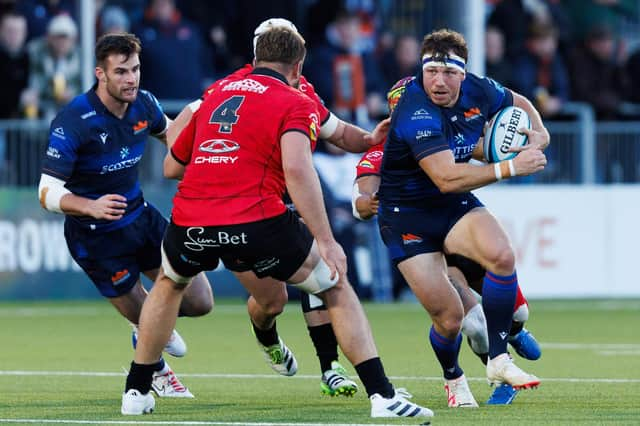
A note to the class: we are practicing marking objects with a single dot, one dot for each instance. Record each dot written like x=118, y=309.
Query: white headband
x=449, y=61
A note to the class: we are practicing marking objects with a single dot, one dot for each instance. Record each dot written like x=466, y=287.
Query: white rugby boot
x=397, y=406
x=134, y=403
x=501, y=369
x=458, y=393
x=174, y=347
x=280, y=358
x=168, y=385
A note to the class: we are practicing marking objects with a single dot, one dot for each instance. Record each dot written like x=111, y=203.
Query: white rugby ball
x=502, y=133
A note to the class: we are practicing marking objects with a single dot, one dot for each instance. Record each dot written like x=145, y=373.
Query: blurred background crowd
x=577, y=60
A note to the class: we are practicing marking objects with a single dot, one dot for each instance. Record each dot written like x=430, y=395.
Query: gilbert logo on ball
x=501, y=133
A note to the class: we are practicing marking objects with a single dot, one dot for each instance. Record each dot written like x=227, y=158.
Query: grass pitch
x=62, y=363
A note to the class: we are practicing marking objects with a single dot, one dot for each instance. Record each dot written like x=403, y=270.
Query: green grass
x=591, y=342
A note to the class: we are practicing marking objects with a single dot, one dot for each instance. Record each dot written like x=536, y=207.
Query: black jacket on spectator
x=14, y=77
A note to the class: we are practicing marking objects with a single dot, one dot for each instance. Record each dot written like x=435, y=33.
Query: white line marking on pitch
x=166, y=422
x=297, y=376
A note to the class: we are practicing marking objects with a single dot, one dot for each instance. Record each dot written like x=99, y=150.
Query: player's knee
x=273, y=308
x=318, y=280
x=503, y=261
x=521, y=314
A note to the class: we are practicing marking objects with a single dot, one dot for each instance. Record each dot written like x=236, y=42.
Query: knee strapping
x=170, y=272
x=318, y=280
x=474, y=326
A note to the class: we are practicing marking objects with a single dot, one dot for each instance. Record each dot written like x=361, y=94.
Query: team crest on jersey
x=313, y=131
x=472, y=114
x=124, y=152
x=366, y=164
x=140, y=126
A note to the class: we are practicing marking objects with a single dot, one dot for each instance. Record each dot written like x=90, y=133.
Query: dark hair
x=443, y=42
x=280, y=45
x=121, y=44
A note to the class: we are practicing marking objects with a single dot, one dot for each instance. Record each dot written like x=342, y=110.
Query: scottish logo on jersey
x=472, y=114
x=124, y=152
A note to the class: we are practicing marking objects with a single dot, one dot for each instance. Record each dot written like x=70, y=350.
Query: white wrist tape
x=512, y=168
x=50, y=191
x=497, y=171
x=355, y=194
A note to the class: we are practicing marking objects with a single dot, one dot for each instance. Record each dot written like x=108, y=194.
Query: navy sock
x=324, y=340
x=266, y=337
x=374, y=379
x=498, y=298
x=447, y=351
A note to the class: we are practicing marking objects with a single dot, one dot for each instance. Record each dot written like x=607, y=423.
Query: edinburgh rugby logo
x=219, y=146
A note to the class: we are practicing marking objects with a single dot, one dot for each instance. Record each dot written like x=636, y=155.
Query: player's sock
x=498, y=299
x=447, y=353
x=266, y=337
x=374, y=379
x=141, y=375
x=324, y=340
x=516, y=327
x=161, y=367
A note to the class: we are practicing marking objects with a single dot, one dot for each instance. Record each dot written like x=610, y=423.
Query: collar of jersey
x=270, y=73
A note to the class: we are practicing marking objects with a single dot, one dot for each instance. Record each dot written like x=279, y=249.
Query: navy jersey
x=420, y=128
x=97, y=153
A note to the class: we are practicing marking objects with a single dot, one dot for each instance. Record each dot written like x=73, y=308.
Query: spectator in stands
x=55, y=72
x=348, y=80
x=585, y=15
x=175, y=56
x=539, y=73
x=497, y=66
x=598, y=76
x=633, y=71
x=14, y=64
x=514, y=17
x=401, y=60
x=40, y=12
x=113, y=19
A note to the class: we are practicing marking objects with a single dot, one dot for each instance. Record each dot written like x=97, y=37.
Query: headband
x=449, y=61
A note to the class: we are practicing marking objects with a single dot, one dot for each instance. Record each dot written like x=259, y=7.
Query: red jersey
x=304, y=86
x=231, y=149
x=371, y=161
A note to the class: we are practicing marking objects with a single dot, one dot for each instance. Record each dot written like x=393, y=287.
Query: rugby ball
x=501, y=133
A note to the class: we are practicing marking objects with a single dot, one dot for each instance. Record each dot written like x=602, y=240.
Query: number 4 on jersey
x=226, y=114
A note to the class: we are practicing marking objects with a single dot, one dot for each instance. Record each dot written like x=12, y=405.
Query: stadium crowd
x=550, y=50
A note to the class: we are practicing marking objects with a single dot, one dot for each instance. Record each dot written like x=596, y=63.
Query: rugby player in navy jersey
x=90, y=174
x=426, y=208
x=246, y=144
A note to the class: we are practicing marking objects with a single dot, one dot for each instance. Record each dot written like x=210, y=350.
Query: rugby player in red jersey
x=248, y=142
x=351, y=138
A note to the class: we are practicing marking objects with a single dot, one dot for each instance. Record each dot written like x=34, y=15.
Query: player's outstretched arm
x=352, y=138
x=538, y=134
x=303, y=186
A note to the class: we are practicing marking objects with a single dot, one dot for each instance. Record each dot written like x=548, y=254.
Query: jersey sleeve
x=158, y=121
x=421, y=130
x=301, y=119
x=498, y=96
x=371, y=162
x=183, y=146
x=62, y=149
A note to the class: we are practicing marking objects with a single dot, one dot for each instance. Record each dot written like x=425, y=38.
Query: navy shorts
x=114, y=259
x=274, y=247
x=412, y=229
